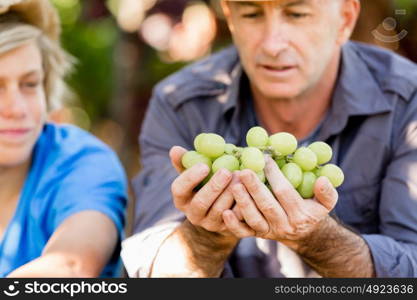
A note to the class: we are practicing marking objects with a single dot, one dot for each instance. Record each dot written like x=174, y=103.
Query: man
x=294, y=70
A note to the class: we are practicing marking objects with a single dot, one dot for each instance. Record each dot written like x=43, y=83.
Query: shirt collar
x=233, y=92
x=357, y=93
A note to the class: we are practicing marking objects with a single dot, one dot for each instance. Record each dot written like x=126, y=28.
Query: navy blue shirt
x=371, y=125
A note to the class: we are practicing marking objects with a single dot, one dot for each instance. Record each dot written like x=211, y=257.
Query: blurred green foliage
x=92, y=44
x=409, y=5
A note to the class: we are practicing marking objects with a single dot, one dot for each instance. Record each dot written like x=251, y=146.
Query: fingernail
x=203, y=169
x=269, y=162
x=224, y=174
x=326, y=187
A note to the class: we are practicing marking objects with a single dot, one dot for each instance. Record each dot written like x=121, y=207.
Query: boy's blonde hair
x=37, y=20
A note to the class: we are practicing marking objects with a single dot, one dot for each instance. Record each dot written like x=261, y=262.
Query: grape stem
x=237, y=153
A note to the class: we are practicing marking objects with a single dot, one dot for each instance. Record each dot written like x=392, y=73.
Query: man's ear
x=227, y=14
x=350, y=10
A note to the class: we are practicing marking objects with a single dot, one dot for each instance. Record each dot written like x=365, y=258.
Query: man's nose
x=275, y=37
x=12, y=103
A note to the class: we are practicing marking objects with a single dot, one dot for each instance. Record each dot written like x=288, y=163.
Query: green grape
x=293, y=173
x=261, y=176
x=280, y=162
x=283, y=143
x=333, y=173
x=316, y=171
x=323, y=152
x=306, y=188
x=252, y=158
x=229, y=148
x=197, y=141
x=227, y=161
x=305, y=158
x=192, y=158
x=211, y=145
x=257, y=137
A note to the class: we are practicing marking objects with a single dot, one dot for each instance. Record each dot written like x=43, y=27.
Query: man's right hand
x=202, y=243
x=205, y=207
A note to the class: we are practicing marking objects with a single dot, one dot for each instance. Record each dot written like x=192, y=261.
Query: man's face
x=285, y=46
x=22, y=103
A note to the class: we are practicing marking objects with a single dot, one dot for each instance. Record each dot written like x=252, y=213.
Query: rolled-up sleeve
x=391, y=257
x=394, y=250
x=156, y=216
x=139, y=250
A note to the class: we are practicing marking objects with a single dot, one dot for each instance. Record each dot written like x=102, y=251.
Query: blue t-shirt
x=71, y=171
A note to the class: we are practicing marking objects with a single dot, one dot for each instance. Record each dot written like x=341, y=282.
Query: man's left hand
x=281, y=215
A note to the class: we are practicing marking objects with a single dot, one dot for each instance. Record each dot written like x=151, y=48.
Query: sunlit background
x=124, y=47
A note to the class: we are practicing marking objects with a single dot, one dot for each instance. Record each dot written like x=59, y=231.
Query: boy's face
x=22, y=103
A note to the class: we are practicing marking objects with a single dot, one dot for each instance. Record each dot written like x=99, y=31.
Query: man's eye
x=251, y=15
x=30, y=84
x=297, y=15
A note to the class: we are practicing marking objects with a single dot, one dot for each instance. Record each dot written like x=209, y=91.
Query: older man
x=292, y=69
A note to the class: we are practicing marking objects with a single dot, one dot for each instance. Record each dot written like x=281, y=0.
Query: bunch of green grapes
x=301, y=166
